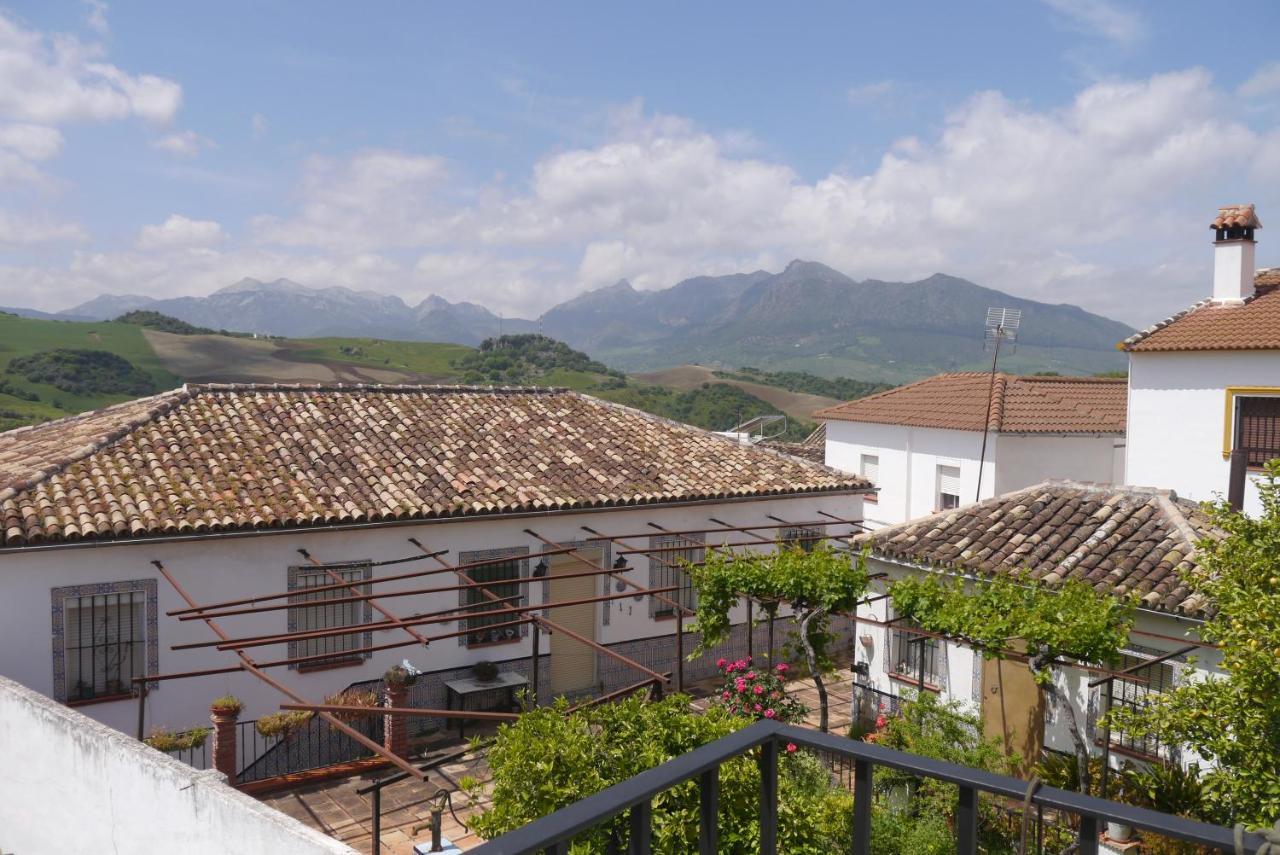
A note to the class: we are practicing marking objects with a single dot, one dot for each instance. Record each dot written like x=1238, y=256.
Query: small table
x=460, y=689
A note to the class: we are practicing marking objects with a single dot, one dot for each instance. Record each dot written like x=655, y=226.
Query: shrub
x=757, y=692
x=352, y=698
x=282, y=723
x=83, y=372
x=169, y=740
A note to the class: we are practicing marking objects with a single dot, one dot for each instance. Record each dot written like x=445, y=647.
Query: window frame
x=687, y=595
x=517, y=555
x=801, y=536
x=899, y=636
x=940, y=503
x=1130, y=694
x=59, y=597
x=363, y=585
x=1242, y=401
x=862, y=471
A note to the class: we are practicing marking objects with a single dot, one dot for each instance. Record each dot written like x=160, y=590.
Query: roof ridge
x=896, y=389
x=164, y=402
x=199, y=388
x=999, y=386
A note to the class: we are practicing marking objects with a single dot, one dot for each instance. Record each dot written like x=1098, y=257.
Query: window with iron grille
x=1126, y=694
x=666, y=569
x=804, y=538
x=316, y=610
x=906, y=649
x=104, y=644
x=483, y=629
x=1258, y=429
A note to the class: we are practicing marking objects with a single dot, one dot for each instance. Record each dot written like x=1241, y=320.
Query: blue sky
x=516, y=154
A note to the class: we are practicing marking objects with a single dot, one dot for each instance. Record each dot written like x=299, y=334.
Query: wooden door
x=1013, y=709
x=573, y=664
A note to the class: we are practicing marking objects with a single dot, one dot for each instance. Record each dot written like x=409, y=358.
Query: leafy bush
x=525, y=358
x=282, y=723
x=352, y=698
x=757, y=692
x=8, y=388
x=169, y=740
x=165, y=323
x=84, y=372
x=551, y=758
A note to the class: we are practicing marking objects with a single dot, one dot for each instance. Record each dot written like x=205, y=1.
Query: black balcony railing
x=634, y=797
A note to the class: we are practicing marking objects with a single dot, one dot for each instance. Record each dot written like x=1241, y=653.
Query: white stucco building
x=223, y=486
x=1119, y=539
x=922, y=444
x=1204, y=385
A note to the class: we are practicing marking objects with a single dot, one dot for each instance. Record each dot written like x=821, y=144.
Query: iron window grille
x=104, y=644
x=905, y=651
x=1127, y=694
x=804, y=538
x=311, y=611
x=666, y=569
x=481, y=630
x=1258, y=429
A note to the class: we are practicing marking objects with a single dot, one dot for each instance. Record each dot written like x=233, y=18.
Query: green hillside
x=33, y=393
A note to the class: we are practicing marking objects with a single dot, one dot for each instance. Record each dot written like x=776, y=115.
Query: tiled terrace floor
x=336, y=809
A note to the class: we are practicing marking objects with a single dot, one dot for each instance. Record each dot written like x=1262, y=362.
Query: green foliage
x=551, y=758
x=757, y=692
x=282, y=723
x=818, y=580
x=1072, y=621
x=844, y=388
x=524, y=359
x=83, y=372
x=9, y=388
x=227, y=704
x=1063, y=771
x=1233, y=719
x=921, y=823
x=165, y=323
x=169, y=740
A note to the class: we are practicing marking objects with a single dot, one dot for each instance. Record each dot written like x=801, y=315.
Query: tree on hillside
x=1071, y=622
x=815, y=584
x=1232, y=720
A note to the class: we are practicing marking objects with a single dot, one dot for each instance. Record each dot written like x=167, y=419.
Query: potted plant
x=485, y=671
x=352, y=698
x=282, y=723
x=398, y=675
x=226, y=705
x=1123, y=791
x=169, y=740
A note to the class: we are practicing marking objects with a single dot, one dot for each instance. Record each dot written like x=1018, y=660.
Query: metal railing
x=552, y=834
x=312, y=745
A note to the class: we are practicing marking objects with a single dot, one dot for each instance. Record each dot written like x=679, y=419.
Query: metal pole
x=533, y=664
x=1106, y=743
x=679, y=669
x=751, y=633
x=142, y=708
x=986, y=423
x=376, y=840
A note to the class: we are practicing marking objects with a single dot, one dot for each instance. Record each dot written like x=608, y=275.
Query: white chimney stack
x=1233, y=251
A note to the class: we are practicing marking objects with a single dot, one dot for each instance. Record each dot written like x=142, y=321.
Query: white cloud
x=56, y=79
x=180, y=232
x=33, y=142
x=258, y=126
x=183, y=143
x=20, y=231
x=96, y=17
x=1106, y=18
x=1265, y=81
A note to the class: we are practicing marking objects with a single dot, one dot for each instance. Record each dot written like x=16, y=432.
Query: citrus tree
x=1232, y=719
x=814, y=584
x=1069, y=622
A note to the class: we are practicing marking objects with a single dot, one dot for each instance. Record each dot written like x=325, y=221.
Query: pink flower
x=881, y=721
x=791, y=748
x=751, y=675
x=724, y=695
x=720, y=663
x=759, y=690
x=758, y=708
x=769, y=713
x=783, y=667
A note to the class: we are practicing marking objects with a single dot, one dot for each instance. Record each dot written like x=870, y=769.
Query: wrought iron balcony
x=552, y=834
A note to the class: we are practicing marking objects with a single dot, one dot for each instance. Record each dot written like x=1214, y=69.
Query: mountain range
x=808, y=317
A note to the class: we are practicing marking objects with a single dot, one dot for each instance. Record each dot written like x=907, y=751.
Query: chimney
x=1233, y=247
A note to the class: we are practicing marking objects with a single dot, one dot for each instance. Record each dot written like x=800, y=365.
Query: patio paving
x=335, y=808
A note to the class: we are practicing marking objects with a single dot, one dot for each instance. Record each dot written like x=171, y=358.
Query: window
x=804, y=538
x=869, y=468
x=1131, y=695
x=484, y=629
x=948, y=487
x=666, y=569
x=104, y=644
x=1258, y=429
x=314, y=611
x=905, y=652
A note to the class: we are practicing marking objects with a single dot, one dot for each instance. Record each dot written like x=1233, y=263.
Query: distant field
x=429, y=361
x=24, y=336
x=216, y=358
x=798, y=405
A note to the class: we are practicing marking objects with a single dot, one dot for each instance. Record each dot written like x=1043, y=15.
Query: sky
x=516, y=154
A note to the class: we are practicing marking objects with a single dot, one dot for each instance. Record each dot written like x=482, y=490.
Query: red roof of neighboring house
x=959, y=401
x=1253, y=324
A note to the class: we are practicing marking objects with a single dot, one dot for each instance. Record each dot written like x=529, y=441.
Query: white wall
x=71, y=784
x=1176, y=418
x=1026, y=459
x=226, y=568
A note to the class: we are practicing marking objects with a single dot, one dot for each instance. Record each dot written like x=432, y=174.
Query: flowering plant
x=758, y=692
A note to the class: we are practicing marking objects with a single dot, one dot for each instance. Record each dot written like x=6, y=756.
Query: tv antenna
x=1002, y=325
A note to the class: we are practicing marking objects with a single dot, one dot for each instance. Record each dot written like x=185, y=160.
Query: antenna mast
x=1002, y=325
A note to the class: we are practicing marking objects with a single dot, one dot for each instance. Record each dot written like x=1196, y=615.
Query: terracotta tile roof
x=1236, y=216
x=812, y=447
x=1253, y=324
x=1018, y=404
x=226, y=457
x=1117, y=539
